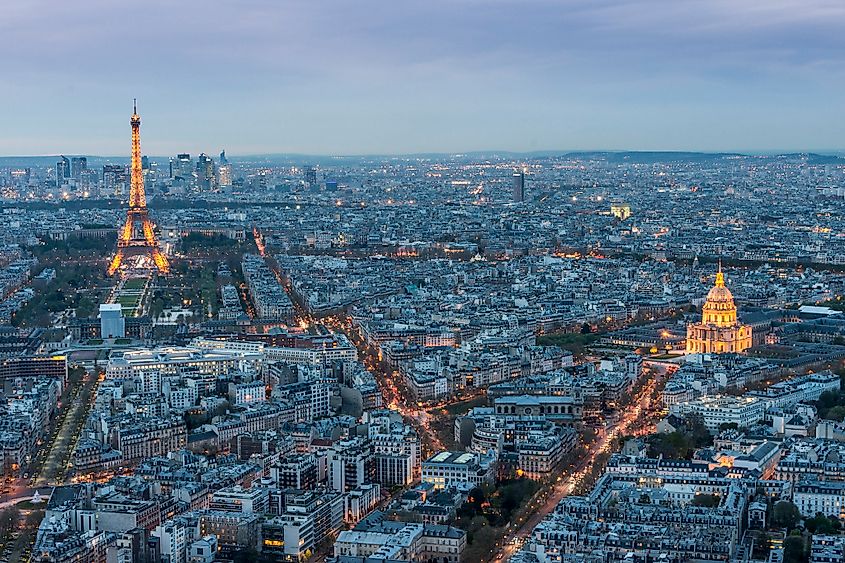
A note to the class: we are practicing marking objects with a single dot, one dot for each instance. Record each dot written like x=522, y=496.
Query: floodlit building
x=621, y=212
x=719, y=331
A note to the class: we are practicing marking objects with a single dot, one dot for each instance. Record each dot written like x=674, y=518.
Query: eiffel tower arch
x=137, y=236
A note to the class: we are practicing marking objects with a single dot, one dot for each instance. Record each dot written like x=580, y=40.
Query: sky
x=356, y=77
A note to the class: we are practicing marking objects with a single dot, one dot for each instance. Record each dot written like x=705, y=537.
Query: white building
x=402, y=541
x=237, y=499
x=245, y=393
x=827, y=497
x=360, y=502
x=799, y=389
x=447, y=469
x=174, y=360
x=344, y=351
x=324, y=350
x=203, y=550
x=350, y=465
x=173, y=536
x=827, y=549
x=722, y=409
x=397, y=450
x=112, y=323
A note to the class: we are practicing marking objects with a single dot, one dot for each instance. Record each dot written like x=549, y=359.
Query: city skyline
x=434, y=77
x=442, y=281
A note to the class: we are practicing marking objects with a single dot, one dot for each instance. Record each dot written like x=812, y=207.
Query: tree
x=588, y=434
x=728, y=426
x=75, y=374
x=221, y=409
x=710, y=501
x=836, y=413
x=85, y=307
x=195, y=420
x=827, y=401
x=33, y=519
x=514, y=492
x=786, y=515
x=470, y=508
x=8, y=520
x=512, y=497
x=480, y=540
x=697, y=431
x=674, y=445
x=793, y=550
x=156, y=307
x=246, y=555
x=821, y=524
x=475, y=500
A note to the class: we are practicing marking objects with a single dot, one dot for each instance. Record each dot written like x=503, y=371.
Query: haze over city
x=372, y=77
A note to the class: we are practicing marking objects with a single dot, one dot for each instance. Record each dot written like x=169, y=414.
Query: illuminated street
x=58, y=458
x=638, y=419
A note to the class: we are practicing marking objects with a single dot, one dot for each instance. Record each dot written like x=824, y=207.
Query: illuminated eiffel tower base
x=138, y=237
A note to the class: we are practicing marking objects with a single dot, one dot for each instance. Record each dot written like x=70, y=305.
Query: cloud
x=379, y=76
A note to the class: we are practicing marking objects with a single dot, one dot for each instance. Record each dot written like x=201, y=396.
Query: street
x=634, y=421
x=59, y=452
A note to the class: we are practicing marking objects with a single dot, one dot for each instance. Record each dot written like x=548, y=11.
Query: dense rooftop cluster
x=428, y=359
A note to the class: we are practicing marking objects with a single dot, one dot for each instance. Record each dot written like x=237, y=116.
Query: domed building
x=719, y=331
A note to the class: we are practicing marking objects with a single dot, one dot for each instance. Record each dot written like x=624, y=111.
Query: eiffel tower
x=137, y=236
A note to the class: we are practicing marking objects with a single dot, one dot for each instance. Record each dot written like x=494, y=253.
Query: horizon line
x=839, y=153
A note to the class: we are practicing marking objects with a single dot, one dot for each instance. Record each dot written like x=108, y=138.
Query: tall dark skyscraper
x=78, y=167
x=518, y=187
x=62, y=170
x=311, y=176
x=181, y=167
x=205, y=172
x=223, y=159
x=115, y=178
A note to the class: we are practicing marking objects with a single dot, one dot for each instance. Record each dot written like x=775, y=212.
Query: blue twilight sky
x=398, y=76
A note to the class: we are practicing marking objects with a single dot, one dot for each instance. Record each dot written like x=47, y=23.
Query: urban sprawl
x=487, y=357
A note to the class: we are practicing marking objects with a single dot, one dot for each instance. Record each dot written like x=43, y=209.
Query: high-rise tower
x=62, y=170
x=518, y=187
x=137, y=234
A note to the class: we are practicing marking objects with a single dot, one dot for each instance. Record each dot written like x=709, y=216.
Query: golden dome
x=719, y=293
x=719, y=308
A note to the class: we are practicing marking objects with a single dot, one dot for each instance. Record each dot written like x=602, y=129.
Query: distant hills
x=641, y=157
